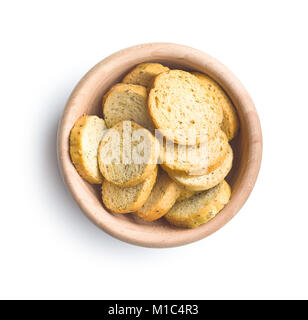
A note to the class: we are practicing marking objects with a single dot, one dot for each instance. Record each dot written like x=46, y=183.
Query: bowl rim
x=234, y=88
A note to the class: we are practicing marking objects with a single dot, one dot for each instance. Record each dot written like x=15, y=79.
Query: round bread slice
x=181, y=109
x=230, y=123
x=85, y=137
x=198, y=159
x=161, y=199
x=143, y=73
x=200, y=208
x=125, y=200
x=126, y=102
x=205, y=182
x=185, y=193
x=127, y=154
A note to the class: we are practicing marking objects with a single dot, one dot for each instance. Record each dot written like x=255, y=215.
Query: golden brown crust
x=205, y=182
x=200, y=208
x=230, y=122
x=79, y=149
x=161, y=199
x=196, y=160
x=125, y=200
x=143, y=73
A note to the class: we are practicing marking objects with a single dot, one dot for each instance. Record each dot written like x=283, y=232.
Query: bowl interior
x=87, y=99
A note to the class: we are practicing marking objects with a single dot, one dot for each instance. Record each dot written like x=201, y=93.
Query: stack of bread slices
x=185, y=120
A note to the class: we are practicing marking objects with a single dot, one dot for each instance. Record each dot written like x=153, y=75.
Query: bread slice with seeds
x=230, y=123
x=127, y=154
x=143, y=73
x=200, y=208
x=161, y=199
x=85, y=137
x=126, y=102
x=205, y=182
x=198, y=159
x=130, y=199
x=181, y=109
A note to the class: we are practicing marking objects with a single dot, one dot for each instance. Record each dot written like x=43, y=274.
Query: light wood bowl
x=87, y=98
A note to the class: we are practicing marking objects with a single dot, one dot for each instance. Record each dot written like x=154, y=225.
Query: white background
x=48, y=249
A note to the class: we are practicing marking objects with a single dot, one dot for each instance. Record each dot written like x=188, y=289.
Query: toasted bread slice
x=181, y=109
x=205, y=182
x=230, y=123
x=130, y=199
x=161, y=199
x=198, y=159
x=127, y=154
x=84, y=141
x=185, y=193
x=143, y=73
x=126, y=102
x=200, y=208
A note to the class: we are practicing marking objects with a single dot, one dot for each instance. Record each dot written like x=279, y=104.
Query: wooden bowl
x=87, y=98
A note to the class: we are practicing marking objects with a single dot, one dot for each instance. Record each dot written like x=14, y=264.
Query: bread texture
x=161, y=199
x=198, y=159
x=230, y=123
x=127, y=154
x=200, y=208
x=181, y=109
x=126, y=102
x=185, y=193
x=130, y=199
x=143, y=73
x=85, y=137
x=204, y=182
